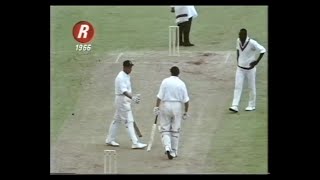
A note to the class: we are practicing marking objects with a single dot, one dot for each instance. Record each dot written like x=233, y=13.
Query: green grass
x=242, y=138
x=241, y=142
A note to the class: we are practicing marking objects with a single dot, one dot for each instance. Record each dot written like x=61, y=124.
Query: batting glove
x=156, y=111
x=136, y=99
x=185, y=116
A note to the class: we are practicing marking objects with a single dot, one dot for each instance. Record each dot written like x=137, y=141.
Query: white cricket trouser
x=241, y=75
x=170, y=123
x=124, y=115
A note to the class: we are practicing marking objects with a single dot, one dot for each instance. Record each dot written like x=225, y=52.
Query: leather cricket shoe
x=173, y=154
x=169, y=155
x=112, y=143
x=234, y=109
x=250, y=108
x=138, y=146
x=188, y=44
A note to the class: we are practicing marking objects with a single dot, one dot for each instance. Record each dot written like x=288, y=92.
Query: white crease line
x=162, y=63
x=227, y=58
x=118, y=57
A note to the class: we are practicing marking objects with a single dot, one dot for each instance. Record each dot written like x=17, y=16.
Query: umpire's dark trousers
x=184, y=31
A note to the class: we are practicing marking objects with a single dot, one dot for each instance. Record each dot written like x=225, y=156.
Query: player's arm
x=259, y=58
x=237, y=55
x=159, y=96
x=135, y=99
x=186, y=102
x=186, y=107
x=237, y=47
x=160, y=93
x=156, y=109
x=123, y=88
x=127, y=94
x=260, y=49
x=158, y=102
x=185, y=98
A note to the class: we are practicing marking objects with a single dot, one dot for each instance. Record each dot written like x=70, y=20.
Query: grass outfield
x=243, y=137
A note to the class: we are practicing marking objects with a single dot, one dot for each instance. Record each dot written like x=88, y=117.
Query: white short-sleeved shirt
x=248, y=52
x=122, y=83
x=192, y=12
x=173, y=89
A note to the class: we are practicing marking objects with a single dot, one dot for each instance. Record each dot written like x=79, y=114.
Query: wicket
x=174, y=41
x=111, y=155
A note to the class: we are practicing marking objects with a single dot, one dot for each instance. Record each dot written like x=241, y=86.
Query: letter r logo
x=83, y=32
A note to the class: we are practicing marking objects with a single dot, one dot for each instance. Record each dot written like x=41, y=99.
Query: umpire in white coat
x=184, y=16
x=172, y=105
x=247, y=60
x=123, y=114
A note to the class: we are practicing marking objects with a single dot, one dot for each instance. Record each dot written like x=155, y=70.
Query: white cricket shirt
x=248, y=52
x=122, y=83
x=173, y=89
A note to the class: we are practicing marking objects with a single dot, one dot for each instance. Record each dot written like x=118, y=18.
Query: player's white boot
x=174, y=144
x=135, y=143
x=234, y=108
x=112, y=143
x=169, y=152
x=250, y=108
x=110, y=140
x=138, y=145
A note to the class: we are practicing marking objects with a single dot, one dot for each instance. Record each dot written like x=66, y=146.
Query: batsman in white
x=247, y=52
x=171, y=106
x=123, y=114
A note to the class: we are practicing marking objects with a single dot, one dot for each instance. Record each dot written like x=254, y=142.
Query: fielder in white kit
x=123, y=114
x=172, y=105
x=247, y=52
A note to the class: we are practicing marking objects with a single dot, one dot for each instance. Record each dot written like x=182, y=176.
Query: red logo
x=83, y=32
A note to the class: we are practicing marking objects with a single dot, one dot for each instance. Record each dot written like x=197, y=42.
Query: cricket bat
x=153, y=130
x=137, y=129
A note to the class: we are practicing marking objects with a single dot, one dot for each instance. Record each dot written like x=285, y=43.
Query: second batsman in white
x=123, y=114
x=171, y=106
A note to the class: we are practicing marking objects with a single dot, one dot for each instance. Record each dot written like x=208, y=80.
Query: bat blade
x=136, y=128
x=153, y=130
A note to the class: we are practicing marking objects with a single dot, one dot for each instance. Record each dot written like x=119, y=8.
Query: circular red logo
x=83, y=32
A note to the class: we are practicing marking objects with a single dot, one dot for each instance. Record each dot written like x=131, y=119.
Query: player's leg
x=187, y=33
x=181, y=32
x=113, y=129
x=165, y=125
x=252, y=89
x=175, y=128
x=131, y=132
x=237, y=89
